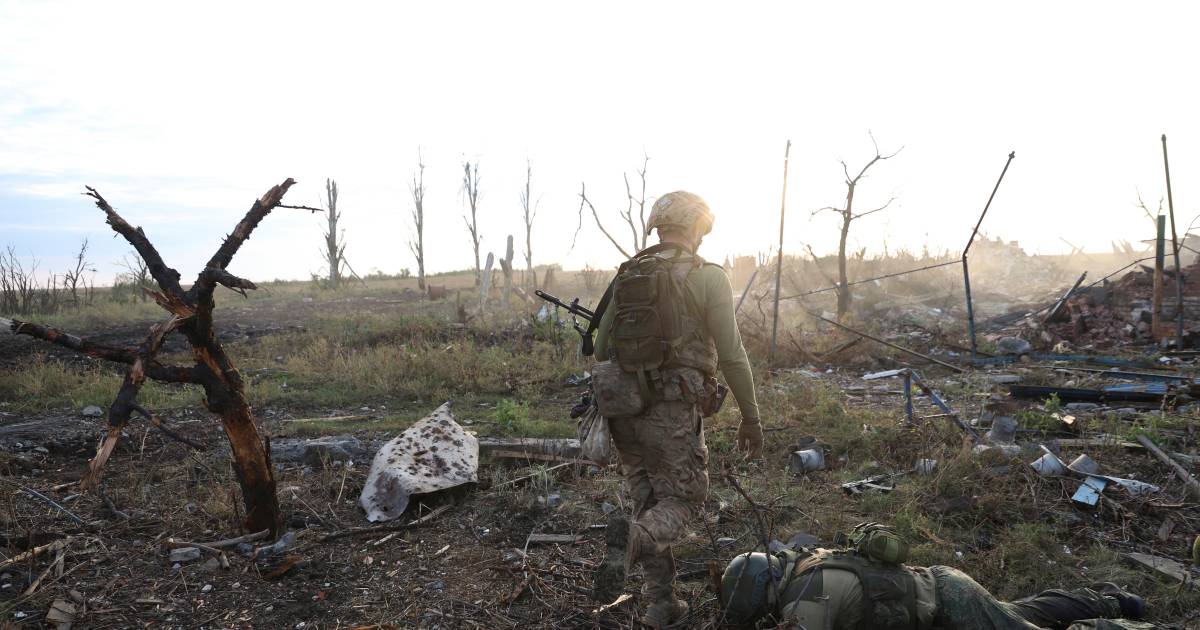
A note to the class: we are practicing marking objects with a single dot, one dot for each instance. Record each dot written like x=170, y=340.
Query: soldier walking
x=666, y=325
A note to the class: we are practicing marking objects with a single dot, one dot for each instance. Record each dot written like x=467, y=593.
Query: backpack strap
x=589, y=348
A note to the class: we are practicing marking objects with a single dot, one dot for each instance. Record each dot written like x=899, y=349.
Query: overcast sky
x=182, y=114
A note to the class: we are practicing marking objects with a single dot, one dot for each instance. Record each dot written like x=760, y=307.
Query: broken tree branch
x=30, y=492
x=584, y=200
x=166, y=277
x=361, y=531
x=1190, y=482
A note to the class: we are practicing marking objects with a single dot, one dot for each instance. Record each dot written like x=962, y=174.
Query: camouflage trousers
x=965, y=605
x=665, y=464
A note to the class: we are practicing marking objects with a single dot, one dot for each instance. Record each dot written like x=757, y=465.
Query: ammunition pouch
x=617, y=393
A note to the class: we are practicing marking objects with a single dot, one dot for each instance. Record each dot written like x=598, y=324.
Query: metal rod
x=908, y=404
x=866, y=280
x=970, y=308
x=967, y=248
x=887, y=343
x=941, y=404
x=1175, y=248
x=779, y=266
x=745, y=291
x=1160, y=251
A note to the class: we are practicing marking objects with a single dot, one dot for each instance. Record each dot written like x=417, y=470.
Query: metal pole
x=1160, y=251
x=1175, y=248
x=908, y=404
x=966, y=271
x=779, y=266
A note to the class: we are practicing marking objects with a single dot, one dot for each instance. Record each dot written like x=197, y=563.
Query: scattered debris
x=1167, y=567
x=807, y=460
x=61, y=614
x=184, y=554
x=433, y=454
x=1013, y=346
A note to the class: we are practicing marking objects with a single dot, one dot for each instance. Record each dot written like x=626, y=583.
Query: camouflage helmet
x=683, y=210
x=746, y=587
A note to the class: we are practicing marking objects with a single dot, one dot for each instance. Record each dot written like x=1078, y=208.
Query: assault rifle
x=576, y=312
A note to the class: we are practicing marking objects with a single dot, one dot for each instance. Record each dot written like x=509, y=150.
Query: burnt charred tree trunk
x=848, y=216
x=189, y=313
x=335, y=248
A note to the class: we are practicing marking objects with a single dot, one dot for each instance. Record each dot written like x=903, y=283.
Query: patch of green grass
x=43, y=384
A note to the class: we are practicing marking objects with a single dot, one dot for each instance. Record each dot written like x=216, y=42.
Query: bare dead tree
x=848, y=216
x=636, y=222
x=335, y=245
x=470, y=189
x=639, y=235
x=529, y=208
x=417, y=247
x=189, y=313
x=74, y=276
x=137, y=274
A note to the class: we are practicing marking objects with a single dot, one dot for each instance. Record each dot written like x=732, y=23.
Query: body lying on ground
x=868, y=588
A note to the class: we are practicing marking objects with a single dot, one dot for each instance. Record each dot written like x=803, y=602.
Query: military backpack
x=656, y=325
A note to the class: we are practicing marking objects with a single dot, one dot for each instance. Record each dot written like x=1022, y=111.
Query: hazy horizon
x=182, y=118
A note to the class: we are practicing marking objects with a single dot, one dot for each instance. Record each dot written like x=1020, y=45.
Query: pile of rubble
x=1110, y=314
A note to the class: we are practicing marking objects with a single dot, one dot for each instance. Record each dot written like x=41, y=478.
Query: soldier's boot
x=664, y=613
x=609, y=578
x=664, y=608
x=1132, y=606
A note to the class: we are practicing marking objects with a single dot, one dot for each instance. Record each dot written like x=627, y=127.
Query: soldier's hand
x=750, y=437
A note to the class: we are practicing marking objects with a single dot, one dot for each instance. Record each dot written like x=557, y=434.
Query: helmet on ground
x=746, y=587
x=681, y=210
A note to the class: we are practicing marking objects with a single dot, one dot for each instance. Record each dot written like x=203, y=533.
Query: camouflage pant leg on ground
x=665, y=464
x=1117, y=624
x=1057, y=607
x=965, y=605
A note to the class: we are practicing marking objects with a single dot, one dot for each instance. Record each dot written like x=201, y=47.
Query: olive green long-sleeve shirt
x=712, y=292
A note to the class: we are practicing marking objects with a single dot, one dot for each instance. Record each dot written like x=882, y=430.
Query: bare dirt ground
x=469, y=566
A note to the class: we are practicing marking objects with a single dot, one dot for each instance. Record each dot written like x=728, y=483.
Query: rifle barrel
x=574, y=309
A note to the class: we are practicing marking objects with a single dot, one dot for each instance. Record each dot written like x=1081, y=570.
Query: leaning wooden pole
x=1175, y=249
x=787, y=150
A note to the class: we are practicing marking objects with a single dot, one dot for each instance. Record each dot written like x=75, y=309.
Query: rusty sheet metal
x=433, y=454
